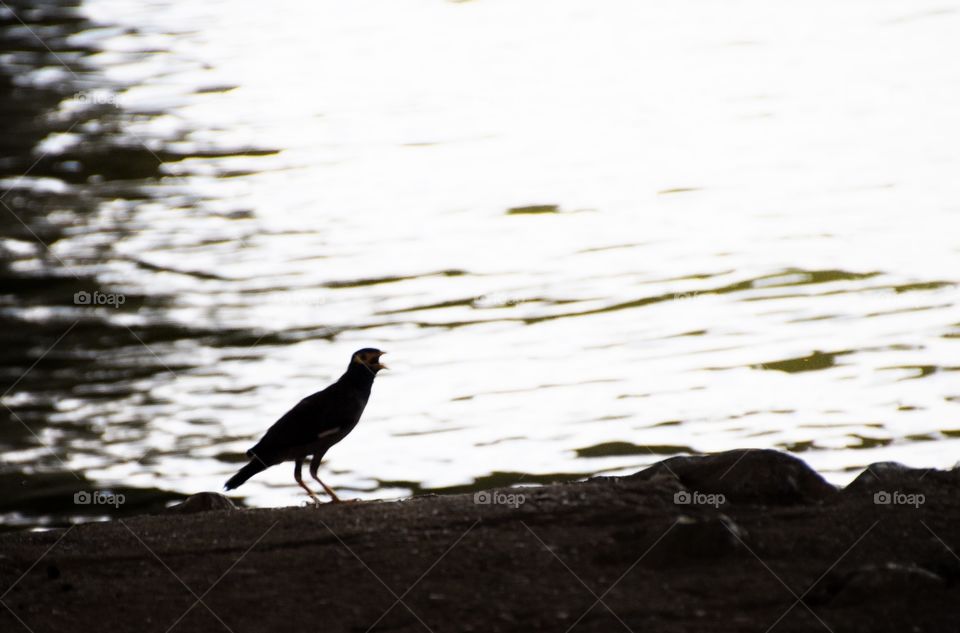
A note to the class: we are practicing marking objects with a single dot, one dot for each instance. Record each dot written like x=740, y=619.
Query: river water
x=590, y=235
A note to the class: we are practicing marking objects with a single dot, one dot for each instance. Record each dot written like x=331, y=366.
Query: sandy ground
x=764, y=545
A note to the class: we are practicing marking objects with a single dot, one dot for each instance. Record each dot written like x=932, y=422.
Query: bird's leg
x=314, y=466
x=296, y=475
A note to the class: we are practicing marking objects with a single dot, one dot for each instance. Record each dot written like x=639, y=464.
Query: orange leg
x=314, y=466
x=299, y=478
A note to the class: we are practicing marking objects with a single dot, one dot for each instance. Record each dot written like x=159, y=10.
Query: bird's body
x=315, y=424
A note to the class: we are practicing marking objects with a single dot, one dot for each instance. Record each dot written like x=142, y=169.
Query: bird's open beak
x=380, y=365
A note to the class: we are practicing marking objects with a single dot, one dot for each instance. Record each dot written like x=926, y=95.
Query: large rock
x=494, y=566
x=745, y=476
x=890, y=477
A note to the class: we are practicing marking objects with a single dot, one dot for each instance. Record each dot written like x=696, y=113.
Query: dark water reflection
x=50, y=349
x=177, y=267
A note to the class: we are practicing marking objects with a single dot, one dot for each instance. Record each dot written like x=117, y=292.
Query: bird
x=315, y=424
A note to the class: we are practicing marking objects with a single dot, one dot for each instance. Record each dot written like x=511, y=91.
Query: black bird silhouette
x=315, y=424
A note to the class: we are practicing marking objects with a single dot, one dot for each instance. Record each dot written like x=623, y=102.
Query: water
x=589, y=235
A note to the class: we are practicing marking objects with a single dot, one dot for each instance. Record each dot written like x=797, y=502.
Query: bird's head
x=369, y=357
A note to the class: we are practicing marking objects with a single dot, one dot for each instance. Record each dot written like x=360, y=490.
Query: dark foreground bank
x=740, y=541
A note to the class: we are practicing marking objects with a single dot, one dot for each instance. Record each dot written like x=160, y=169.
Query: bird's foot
x=330, y=493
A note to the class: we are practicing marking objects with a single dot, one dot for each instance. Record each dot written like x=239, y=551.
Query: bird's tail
x=245, y=473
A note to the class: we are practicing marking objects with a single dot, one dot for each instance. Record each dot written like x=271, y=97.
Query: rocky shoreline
x=749, y=540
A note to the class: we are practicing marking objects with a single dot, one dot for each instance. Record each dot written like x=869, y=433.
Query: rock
x=891, y=477
x=659, y=563
x=745, y=476
x=202, y=502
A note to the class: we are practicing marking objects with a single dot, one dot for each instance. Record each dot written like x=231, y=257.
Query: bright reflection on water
x=589, y=234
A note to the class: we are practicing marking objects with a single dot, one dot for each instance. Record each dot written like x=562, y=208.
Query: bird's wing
x=306, y=422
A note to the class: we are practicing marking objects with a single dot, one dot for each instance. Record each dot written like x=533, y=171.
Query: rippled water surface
x=590, y=235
